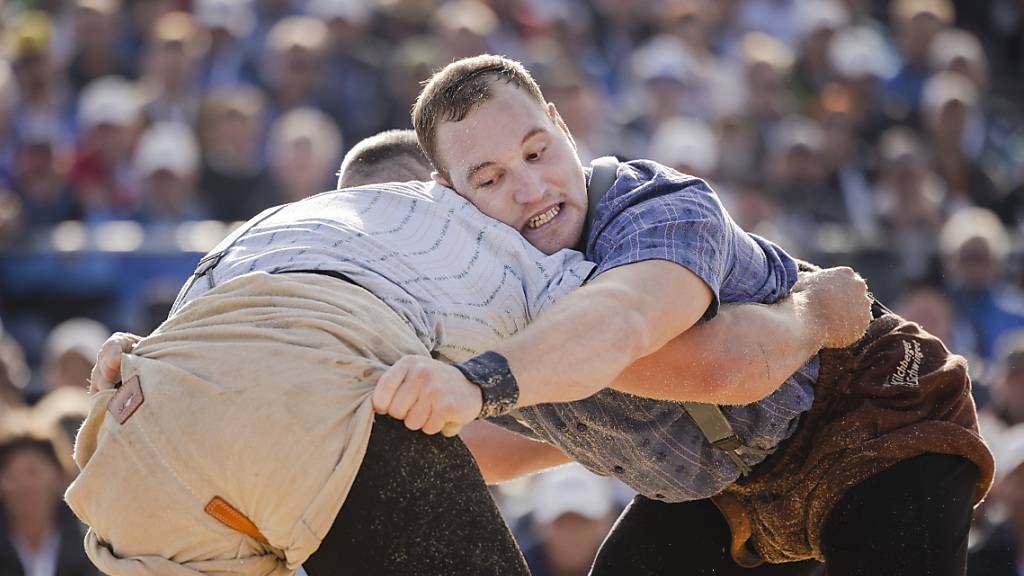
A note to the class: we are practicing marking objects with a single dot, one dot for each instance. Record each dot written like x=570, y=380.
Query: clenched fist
x=839, y=300
x=106, y=372
x=428, y=395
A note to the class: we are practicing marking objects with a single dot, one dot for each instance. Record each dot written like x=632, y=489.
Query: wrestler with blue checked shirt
x=851, y=468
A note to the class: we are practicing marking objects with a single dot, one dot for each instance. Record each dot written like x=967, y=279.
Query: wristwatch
x=498, y=387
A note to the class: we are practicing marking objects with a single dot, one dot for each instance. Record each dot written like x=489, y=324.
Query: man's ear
x=437, y=177
x=557, y=119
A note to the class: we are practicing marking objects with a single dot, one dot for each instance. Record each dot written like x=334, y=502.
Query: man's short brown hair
x=391, y=156
x=458, y=88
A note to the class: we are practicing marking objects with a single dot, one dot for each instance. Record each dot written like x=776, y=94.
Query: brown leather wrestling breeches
x=895, y=394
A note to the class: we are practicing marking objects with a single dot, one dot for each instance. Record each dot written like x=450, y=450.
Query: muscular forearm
x=581, y=344
x=740, y=357
x=502, y=455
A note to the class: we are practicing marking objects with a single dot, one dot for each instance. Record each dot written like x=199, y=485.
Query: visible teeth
x=542, y=219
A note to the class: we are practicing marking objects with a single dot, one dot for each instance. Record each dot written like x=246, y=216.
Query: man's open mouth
x=543, y=218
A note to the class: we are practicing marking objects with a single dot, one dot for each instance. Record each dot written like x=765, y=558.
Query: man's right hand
x=839, y=301
x=106, y=372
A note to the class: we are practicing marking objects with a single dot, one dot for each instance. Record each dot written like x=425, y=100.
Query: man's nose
x=529, y=188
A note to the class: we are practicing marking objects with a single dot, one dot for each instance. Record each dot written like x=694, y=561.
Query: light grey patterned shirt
x=462, y=280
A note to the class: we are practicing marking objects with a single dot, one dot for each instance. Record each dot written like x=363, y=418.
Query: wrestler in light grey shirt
x=463, y=281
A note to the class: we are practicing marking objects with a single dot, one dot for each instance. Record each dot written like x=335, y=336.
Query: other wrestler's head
x=491, y=136
x=391, y=156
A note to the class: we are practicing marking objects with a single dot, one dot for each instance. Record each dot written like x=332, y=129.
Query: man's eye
x=533, y=156
x=485, y=183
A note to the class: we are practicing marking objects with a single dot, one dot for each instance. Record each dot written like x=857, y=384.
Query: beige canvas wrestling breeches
x=238, y=431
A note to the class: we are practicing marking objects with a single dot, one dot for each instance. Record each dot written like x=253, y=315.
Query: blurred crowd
x=884, y=134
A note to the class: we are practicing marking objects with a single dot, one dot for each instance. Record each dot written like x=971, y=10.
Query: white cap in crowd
x=308, y=129
x=860, y=51
x=953, y=44
x=797, y=131
x=815, y=15
x=571, y=490
x=664, y=57
x=946, y=87
x=682, y=141
x=109, y=100
x=169, y=146
x=80, y=335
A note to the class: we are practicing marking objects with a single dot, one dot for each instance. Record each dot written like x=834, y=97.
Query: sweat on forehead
x=453, y=92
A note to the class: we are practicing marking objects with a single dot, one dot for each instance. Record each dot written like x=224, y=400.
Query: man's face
x=516, y=161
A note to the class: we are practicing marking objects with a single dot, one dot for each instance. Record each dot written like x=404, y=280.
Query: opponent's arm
x=569, y=353
x=748, y=350
x=572, y=351
x=588, y=338
x=502, y=455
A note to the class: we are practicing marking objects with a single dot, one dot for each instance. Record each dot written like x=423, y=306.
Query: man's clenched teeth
x=542, y=219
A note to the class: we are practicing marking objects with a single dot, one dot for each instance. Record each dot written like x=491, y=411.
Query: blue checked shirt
x=655, y=213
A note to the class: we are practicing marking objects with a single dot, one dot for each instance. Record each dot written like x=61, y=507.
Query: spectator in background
x=863, y=63
x=38, y=533
x=294, y=63
x=234, y=184
x=41, y=88
x=39, y=177
x=1007, y=381
x=690, y=21
x=167, y=165
x=228, y=23
x=756, y=209
x=303, y=150
x=353, y=82
x=268, y=14
x=62, y=411
x=999, y=551
x=928, y=304
x=8, y=103
x=800, y=177
x=817, y=22
x=14, y=372
x=916, y=24
x=95, y=52
x=955, y=50
x=170, y=82
x=70, y=351
x=464, y=27
x=740, y=140
x=583, y=106
x=957, y=131
x=108, y=116
x=409, y=63
x=669, y=84
x=845, y=160
x=767, y=64
x=975, y=248
x=771, y=17
x=137, y=27
x=572, y=513
x=911, y=200
x=687, y=145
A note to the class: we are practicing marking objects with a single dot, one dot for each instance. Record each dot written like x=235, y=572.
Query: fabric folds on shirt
x=258, y=392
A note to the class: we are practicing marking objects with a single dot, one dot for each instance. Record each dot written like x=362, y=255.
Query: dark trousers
x=910, y=520
x=418, y=506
